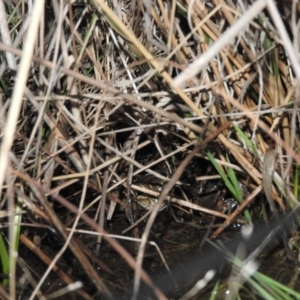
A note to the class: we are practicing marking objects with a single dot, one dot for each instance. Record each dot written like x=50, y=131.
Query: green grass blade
x=222, y=174
x=244, y=137
x=213, y=294
x=4, y=260
x=261, y=291
x=17, y=226
x=238, y=190
x=16, y=229
x=235, y=182
x=282, y=291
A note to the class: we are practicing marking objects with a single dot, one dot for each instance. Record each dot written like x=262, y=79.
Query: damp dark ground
x=184, y=245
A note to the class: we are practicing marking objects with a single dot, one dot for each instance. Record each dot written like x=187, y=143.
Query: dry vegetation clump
x=133, y=132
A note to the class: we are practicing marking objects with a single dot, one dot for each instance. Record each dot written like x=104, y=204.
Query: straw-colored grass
x=94, y=95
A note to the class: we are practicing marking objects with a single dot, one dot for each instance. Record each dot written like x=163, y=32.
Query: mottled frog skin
x=212, y=197
x=147, y=201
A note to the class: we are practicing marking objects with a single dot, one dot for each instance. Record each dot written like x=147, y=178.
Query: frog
x=145, y=200
x=213, y=196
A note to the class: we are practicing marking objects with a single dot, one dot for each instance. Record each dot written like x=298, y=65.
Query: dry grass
x=106, y=93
